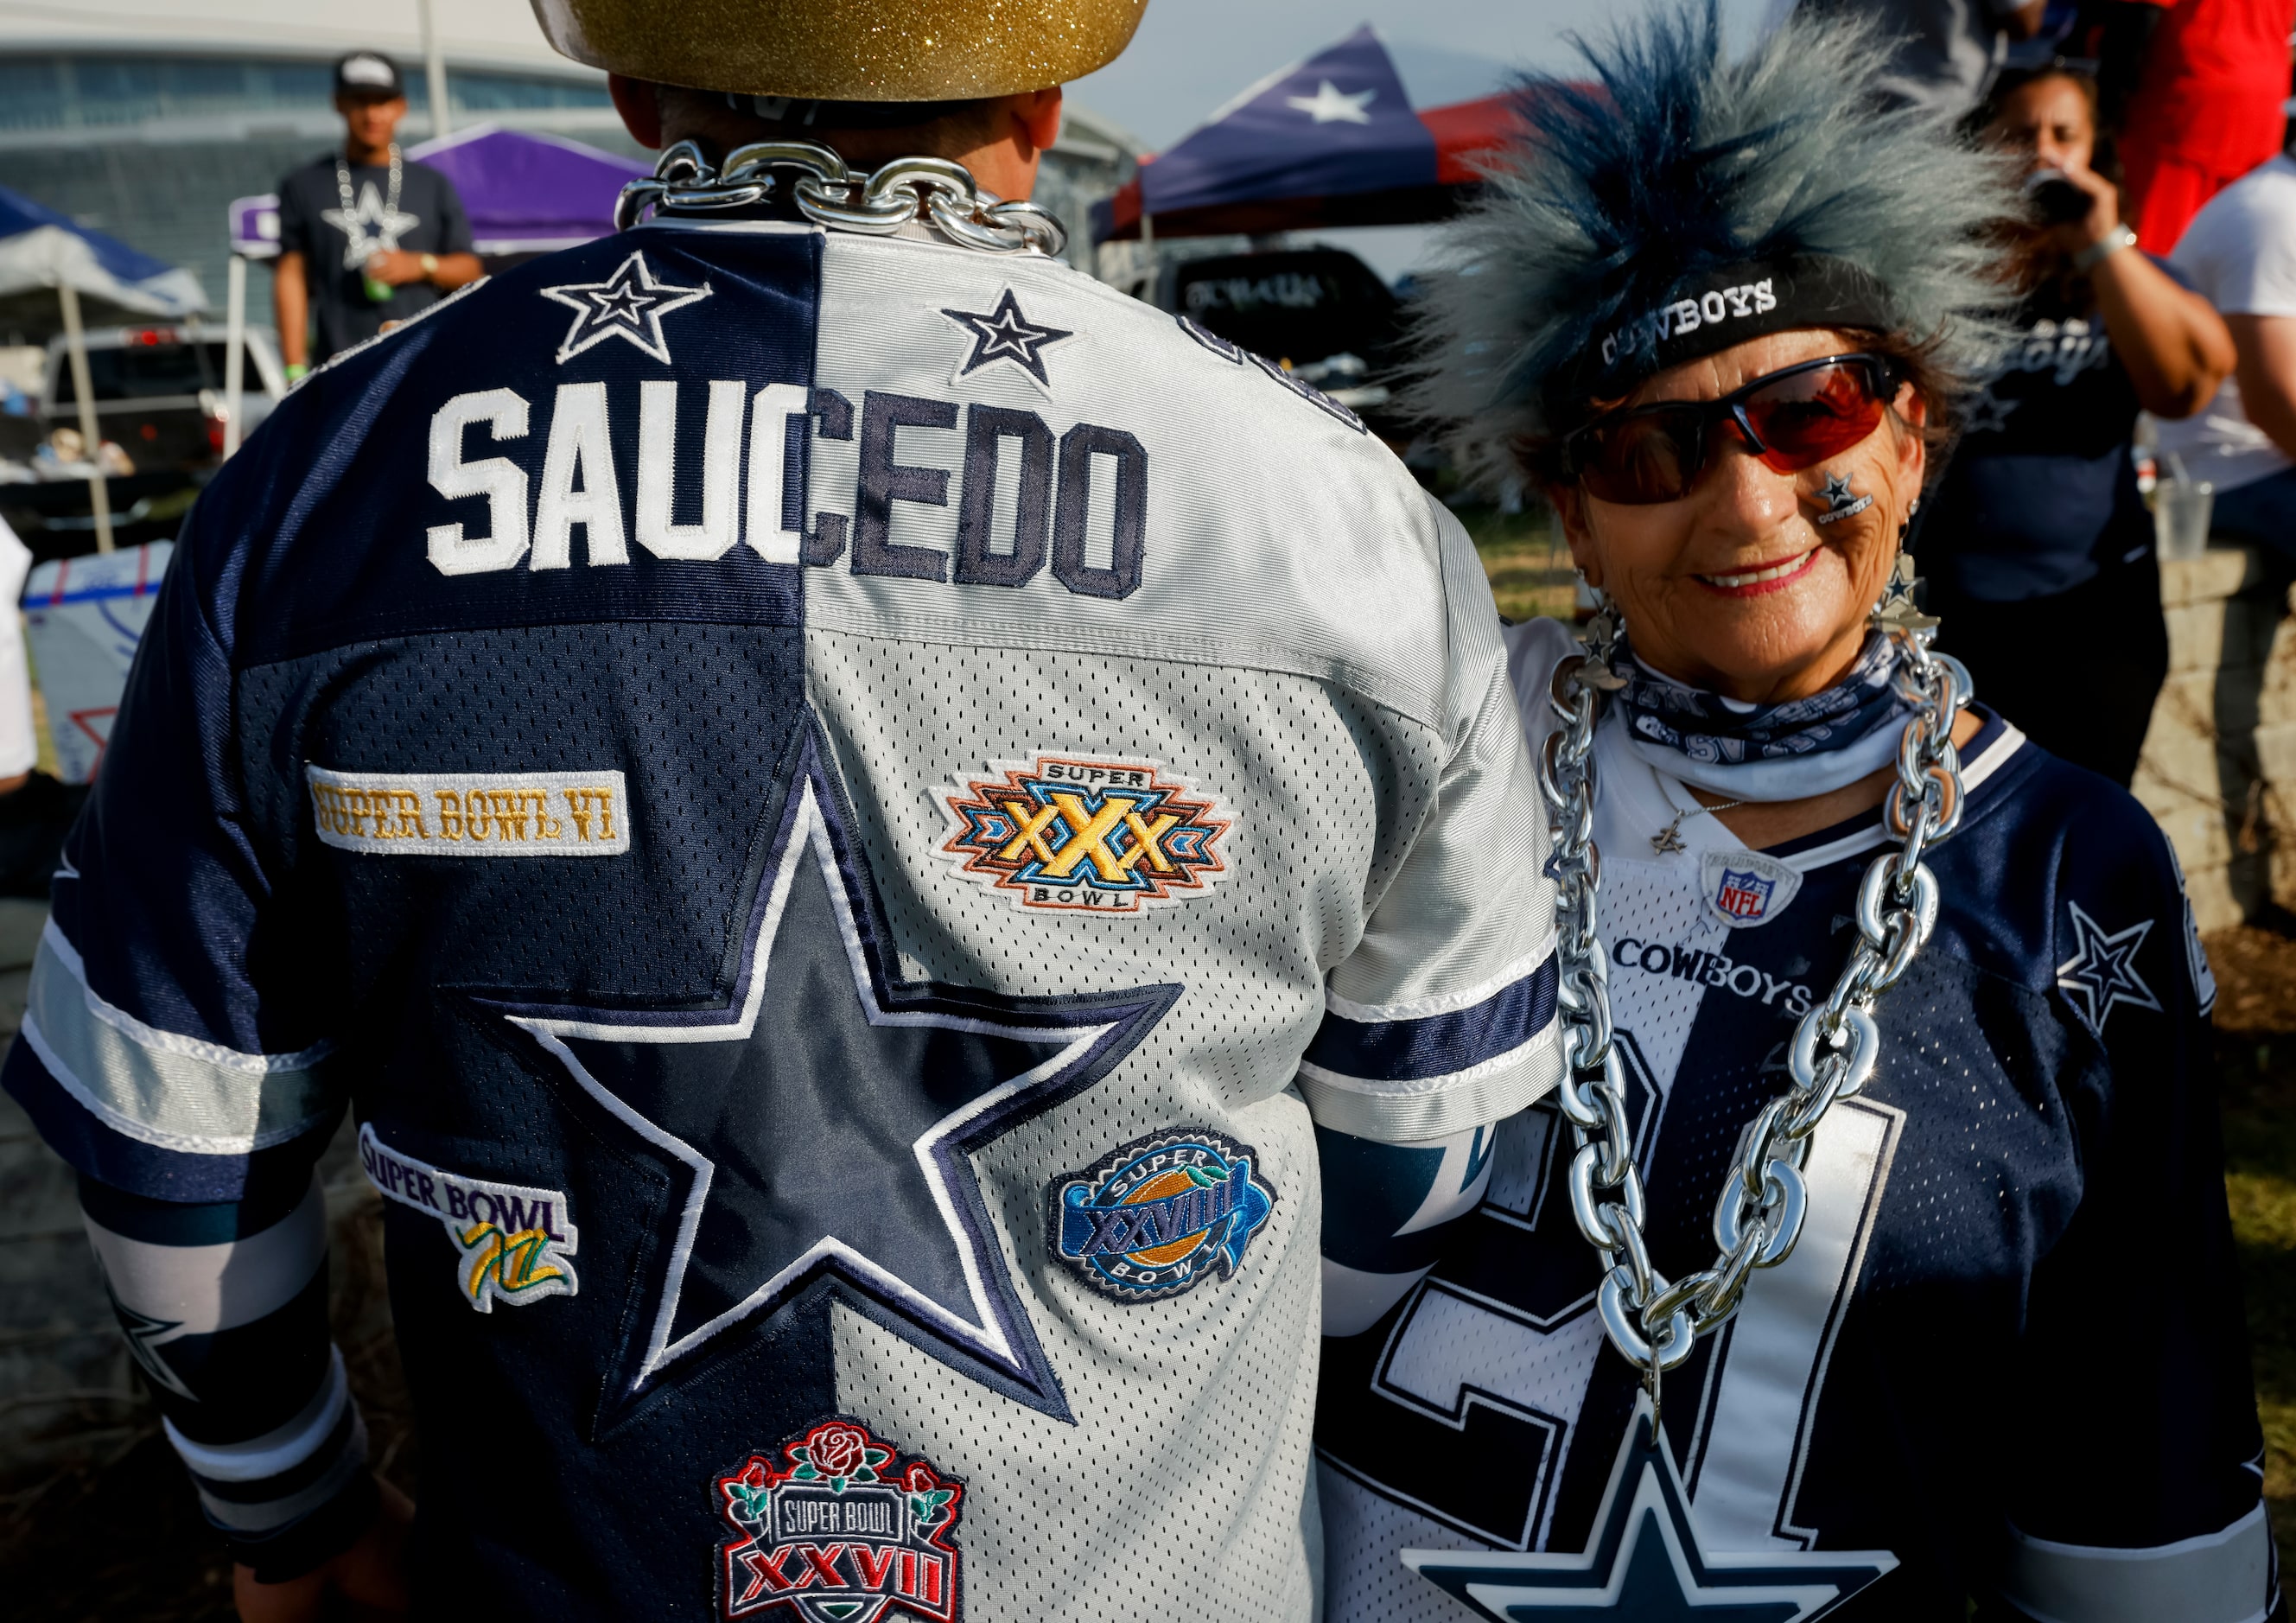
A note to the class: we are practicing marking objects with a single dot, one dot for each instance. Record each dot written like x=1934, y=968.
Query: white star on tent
x=372, y=228
x=1332, y=105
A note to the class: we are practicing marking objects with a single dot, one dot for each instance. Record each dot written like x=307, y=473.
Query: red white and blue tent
x=1330, y=141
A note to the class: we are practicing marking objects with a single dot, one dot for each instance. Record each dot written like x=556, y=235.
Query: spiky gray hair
x=1677, y=164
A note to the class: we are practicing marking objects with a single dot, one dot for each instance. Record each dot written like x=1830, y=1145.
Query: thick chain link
x=1652, y=1320
x=830, y=192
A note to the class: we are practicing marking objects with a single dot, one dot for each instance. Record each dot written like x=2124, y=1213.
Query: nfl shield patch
x=841, y=1527
x=1745, y=889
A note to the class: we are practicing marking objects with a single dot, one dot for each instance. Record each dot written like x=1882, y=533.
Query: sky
x=1190, y=56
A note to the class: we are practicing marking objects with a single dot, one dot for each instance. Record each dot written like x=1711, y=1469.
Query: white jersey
x=842, y=807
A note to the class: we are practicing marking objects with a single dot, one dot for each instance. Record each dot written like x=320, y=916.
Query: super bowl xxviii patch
x=1161, y=1216
x=1077, y=834
x=843, y=1528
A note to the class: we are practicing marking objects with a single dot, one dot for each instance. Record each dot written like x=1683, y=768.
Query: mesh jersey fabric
x=1929, y=1373
x=811, y=794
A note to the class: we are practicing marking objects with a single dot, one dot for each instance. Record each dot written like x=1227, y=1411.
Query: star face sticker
x=1006, y=335
x=2103, y=973
x=1643, y=1563
x=1840, y=503
x=1332, y=105
x=819, y=1128
x=627, y=305
x=373, y=227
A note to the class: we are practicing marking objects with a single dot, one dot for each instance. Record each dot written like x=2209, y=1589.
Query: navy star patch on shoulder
x=1004, y=334
x=1644, y=1562
x=819, y=1125
x=628, y=305
x=2103, y=972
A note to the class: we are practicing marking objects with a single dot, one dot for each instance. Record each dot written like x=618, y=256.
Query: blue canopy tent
x=42, y=250
x=1330, y=141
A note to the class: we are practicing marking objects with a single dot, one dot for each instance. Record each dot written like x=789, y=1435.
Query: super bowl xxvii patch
x=513, y=1244
x=1161, y=1216
x=1076, y=834
x=842, y=1528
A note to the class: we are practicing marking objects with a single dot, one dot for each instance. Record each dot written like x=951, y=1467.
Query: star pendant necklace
x=1667, y=842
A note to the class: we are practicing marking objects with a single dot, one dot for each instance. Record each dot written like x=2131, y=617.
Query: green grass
x=1524, y=556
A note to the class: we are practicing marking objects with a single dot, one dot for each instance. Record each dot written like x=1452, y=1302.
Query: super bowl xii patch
x=1076, y=833
x=1161, y=1215
x=841, y=1527
x=512, y=1244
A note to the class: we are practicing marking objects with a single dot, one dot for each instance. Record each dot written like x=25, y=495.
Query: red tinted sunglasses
x=1792, y=418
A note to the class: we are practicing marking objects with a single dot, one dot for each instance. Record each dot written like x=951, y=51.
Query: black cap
x=368, y=73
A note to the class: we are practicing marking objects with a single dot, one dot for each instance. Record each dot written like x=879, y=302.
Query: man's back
x=809, y=788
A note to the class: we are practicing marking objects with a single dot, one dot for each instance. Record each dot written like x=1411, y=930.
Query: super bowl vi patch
x=471, y=814
x=513, y=1244
x=841, y=1527
x=1161, y=1216
x=1077, y=834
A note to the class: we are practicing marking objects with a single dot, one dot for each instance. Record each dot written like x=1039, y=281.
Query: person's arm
x=2020, y=18
x=2129, y=1470
x=1441, y=1021
x=174, y=1049
x=2171, y=342
x=2266, y=372
x=399, y=267
x=291, y=308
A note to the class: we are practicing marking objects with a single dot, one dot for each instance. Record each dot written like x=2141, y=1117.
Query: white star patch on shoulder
x=2103, y=972
x=627, y=305
x=1004, y=334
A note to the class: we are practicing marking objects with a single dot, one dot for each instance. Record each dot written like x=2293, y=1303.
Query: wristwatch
x=430, y=265
x=2098, y=253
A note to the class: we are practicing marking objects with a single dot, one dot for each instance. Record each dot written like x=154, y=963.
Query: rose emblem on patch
x=1161, y=1215
x=843, y=1528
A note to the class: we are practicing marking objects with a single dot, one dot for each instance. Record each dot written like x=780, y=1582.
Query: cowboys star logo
x=2102, y=975
x=1004, y=334
x=372, y=227
x=628, y=305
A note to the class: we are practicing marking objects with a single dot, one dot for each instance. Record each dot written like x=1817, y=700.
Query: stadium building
x=144, y=118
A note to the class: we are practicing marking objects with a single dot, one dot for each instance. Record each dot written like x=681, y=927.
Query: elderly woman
x=1872, y=1259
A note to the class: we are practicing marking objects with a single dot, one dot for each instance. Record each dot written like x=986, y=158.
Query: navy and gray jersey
x=2006, y=1360
x=837, y=809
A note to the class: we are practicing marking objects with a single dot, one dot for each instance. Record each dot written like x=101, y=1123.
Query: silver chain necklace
x=353, y=242
x=1655, y=1322
x=829, y=191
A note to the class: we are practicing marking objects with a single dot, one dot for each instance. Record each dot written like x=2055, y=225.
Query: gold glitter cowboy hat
x=845, y=50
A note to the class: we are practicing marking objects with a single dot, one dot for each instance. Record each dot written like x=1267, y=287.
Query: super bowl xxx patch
x=840, y=1527
x=1079, y=834
x=1161, y=1215
x=512, y=1243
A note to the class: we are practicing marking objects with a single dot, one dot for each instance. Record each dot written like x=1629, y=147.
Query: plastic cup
x=2181, y=511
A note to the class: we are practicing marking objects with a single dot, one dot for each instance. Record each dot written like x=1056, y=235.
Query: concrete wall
x=2220, y=763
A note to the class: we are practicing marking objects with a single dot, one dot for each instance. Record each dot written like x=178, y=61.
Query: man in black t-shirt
x=365, y=236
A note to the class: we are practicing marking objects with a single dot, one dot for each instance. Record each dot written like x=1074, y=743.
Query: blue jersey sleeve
x=2136, y=1488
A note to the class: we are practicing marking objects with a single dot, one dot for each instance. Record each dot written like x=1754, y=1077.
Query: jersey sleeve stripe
x=2225, y=1577
x=280, y=1449
x=1434, y=1048
x=201, y=1289
x=164, y=1089
x=1413, y=1110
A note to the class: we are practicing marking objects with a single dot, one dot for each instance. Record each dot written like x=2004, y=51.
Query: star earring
x=1839, y=502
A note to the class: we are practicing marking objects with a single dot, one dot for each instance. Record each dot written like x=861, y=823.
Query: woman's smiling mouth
x=1755, y=581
